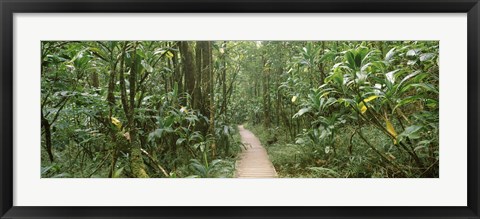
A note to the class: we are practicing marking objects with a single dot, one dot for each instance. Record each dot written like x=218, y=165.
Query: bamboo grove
x=170, y=109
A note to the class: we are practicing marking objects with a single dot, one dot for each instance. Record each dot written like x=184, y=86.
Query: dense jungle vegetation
x=168, y=109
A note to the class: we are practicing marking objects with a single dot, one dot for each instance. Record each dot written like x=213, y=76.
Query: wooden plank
x=254, y=161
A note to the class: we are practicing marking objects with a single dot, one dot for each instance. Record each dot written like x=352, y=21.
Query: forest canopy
x=173, y=109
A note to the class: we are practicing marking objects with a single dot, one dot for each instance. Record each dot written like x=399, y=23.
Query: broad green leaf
x=46, y=169
x=327, y=56
x=159, y=51
x=431, y=103
x=412, y=62
x=421, y=147
x=407, y=78
x=168, y=122
x=118, y=173
x=412, y=132
x=300, y=141
x=215, y=162
x=155, y=134
x=391, y=76
x=427, y=87
x=147, y=67
x=406, y=101
x=180, y=141
x=411, y=53
x=350, y=59
x=347, y=102
x=362, y=52
x=337, y=77
x=426, y=56
x=302, y=111
x=358, y=60
x=390, y=54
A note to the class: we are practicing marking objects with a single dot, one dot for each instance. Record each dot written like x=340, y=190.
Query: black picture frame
x=9, y=7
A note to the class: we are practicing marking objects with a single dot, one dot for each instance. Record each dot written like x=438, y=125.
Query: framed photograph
x=229, y=109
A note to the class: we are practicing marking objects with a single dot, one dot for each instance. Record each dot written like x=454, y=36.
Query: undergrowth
x=351, y=159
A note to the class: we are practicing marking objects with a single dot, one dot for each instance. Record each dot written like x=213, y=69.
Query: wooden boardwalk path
x=254, y=161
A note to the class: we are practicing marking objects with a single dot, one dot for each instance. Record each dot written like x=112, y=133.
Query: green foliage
x=216, y=168
x=372, y=113
x=121, y=109
x=171, y=109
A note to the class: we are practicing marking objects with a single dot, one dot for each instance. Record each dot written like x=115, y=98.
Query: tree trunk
x=177, y=78
x=136, y=161
x=198, y=103
x=138, y=167
x=48, y=137
x=266, y=95
x=123, y=89
x=209, y=70
x=188, y=69
x=321, y=66
x=111, y=87
x=224, y=81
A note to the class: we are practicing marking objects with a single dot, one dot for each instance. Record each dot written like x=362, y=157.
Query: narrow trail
x=254, y=162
